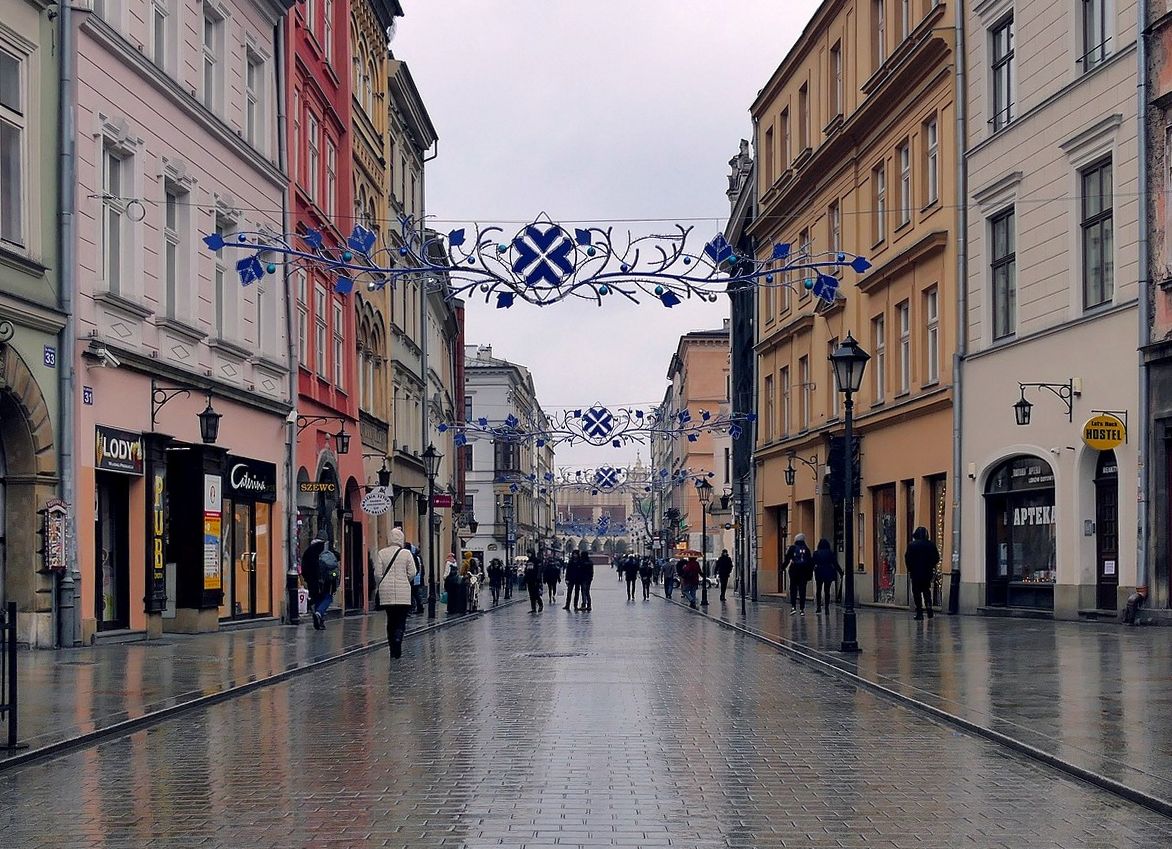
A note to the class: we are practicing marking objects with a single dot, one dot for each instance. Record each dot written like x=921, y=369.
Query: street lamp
x=431, y=460
x=343, y=440
x=849, y=362
x=209, y=423
x=384, y=475
x=704, y=490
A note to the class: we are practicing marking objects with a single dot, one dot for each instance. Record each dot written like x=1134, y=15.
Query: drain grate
x=553, y=654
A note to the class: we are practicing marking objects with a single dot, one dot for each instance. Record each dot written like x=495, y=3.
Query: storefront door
x=247, y=560
x=3, y=513
x=1107, y=530
x=1021, y=556
x=883, y=514
x=112, y=555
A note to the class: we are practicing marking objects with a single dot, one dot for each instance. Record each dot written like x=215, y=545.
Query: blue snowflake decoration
x=541, y=264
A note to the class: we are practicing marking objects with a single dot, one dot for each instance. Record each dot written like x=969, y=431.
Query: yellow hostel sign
x=1104, y=432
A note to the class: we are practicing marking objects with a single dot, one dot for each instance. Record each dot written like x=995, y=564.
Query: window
x=174, y=220
x=331, y=179
x=319, y=330
x=932, y=334
x=836, y=80
x=161, y=20
x=1004, y=272
x=879, y=346
x=768, y=153
x=13, y=116
x=313, y=170
x=114, y=220
x=905, y=18
x=1003, y=82
x=831, y=385
x=805, y=248
x=327, y=29
x=467, y=408
x=834, y=225
x=225, y=286
x=903, y=316
x=932, y=156
x=727, y=465
x=302, y=317
x=1098, y=243
x=804, y=386
x=879, y=31
x=212, y=39
x=803, y=117
x=295, y=153
x=339, y=355
x=785, y=139
x=904, y=155
x=879, y=201
x=785, y=406
x=467, y=449
x=1095, y=35
x=770, y=409
x=254, y=119
x=310, y=20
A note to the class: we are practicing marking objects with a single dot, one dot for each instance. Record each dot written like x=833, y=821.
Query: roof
x=410, y=102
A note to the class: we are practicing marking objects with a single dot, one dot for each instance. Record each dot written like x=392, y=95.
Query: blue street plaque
x=87, y=395
x=50, y=357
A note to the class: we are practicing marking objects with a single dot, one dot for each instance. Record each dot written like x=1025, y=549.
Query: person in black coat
x=800, y=561
x=310, y=570
x=552, y=573
x=585, y=579
x=826, y=572
x=645, y=573
x=573, y=577
x=496, y=579
x=631, y=571
x=921, y=559
x=533, y=581
x=724, y=567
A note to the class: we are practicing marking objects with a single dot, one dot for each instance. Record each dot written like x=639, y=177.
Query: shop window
x=1021, y=559
x=886, y=551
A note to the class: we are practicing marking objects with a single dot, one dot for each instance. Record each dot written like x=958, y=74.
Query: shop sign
x=1104, y=432
x=212, y=518
x=441, y=500
x=317, y=486
x=54, y=529
x=377, y=501
x=1041, y=515
x=251, y=479
x=157, y=568
x=117, y=451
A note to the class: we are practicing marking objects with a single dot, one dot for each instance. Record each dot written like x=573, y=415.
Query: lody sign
x=117, y=451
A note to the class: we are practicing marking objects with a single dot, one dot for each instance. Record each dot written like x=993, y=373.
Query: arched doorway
x=353, y=574
x=1021, y=550
x=3, y=484
x=1107, y=531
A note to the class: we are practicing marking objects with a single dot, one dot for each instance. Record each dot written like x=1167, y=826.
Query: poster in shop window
x=211, y=532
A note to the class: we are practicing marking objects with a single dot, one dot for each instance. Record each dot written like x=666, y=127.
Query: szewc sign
x=1104, y=432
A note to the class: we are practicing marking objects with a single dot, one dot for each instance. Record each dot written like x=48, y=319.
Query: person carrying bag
x=394, y=590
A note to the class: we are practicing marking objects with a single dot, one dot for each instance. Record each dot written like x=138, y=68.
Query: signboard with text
x=212, y=535
x=441, y=500
x=1104, y=432
x=117, y=451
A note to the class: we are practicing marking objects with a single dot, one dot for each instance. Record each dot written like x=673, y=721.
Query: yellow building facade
x=856, y=152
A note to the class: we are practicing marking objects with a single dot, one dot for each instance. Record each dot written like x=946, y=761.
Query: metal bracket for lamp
x=791, y=472
x=209, y=419
x=1064, y=392
x=341, y=438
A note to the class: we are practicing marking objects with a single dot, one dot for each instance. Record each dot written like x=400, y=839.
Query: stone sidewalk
x=73, y=693
x=1095, y=695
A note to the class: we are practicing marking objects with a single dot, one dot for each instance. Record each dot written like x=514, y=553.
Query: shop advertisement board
x=212, y=507
x=117, y=450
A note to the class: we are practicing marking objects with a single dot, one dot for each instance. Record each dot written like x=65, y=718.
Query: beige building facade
x=856, y=153
x=1052, y=287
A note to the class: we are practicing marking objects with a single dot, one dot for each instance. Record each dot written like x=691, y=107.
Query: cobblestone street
x=638, y=724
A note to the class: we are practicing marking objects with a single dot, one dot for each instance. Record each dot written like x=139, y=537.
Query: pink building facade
x=177, y=137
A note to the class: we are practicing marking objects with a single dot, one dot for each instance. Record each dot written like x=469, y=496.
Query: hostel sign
x=1104, y=432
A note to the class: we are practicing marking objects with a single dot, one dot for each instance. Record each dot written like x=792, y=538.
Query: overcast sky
x=600, y=111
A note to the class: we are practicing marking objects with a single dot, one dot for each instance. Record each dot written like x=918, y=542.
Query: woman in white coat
x=396, y=566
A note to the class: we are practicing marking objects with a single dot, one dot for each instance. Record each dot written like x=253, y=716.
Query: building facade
x=1051, y=293
x=855, y=152
x=177, y=137
x=31, y=318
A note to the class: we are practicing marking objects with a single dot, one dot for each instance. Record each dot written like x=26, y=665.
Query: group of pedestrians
x=634, y=570
x=542, y=576
x=821, y=565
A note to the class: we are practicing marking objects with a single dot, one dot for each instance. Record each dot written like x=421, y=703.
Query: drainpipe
x=962, y=299
x=68, y=625
x=294, y=352
x=1143, y=529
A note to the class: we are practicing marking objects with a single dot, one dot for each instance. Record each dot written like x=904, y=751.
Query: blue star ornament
x=313, y=238
x=361, y=240
x=825, y=288
x=718, y=249
x=860, y=264
x=780, y=251
x=456, y=238
x=597, y=423
x=214, y=241
x=543, y=255
x=250, y=270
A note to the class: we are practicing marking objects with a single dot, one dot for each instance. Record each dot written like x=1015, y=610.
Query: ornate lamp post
x=849, y=362
x=704, y=490
x=431, y=460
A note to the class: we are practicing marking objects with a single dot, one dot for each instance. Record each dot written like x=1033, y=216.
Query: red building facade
x=318, y=104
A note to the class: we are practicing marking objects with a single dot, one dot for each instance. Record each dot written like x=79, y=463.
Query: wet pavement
x=1096, y=695
x=636, y=725
x=69, y=693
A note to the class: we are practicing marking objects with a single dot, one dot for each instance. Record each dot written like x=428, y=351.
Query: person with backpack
x=552, y=573
x=496, y=579
x=724, y=567
x=396, y=570
x=921, y=559
x=533, y=583
x=826, y=572
x=328, y=577
x=585, y=579
x=800, y=561
x=309, y=571
x=690, y=579
x=631, y=570
x=645, y=573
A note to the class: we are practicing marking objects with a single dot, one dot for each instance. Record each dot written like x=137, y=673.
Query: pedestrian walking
x=533, y=583
x=921, y=559
x=396, y=567
x=454, y=590
x=573, y=574
x=690, y=579
x=800, y=561
x=510, y=579
x=669, y=578
x=631, y=570
x=656, y=571
x=496, y=579
x=328, y=577
x=585, y=579
x=724, y=567
x=645, y=573
x=826, y=572
x=552, y=572
x=309, y=572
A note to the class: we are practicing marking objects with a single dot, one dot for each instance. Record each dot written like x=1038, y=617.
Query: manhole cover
x=553, y=654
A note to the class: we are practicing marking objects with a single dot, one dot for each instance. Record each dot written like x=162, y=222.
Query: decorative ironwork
x=543, y=263
x=598, y=425
x=600, y=480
